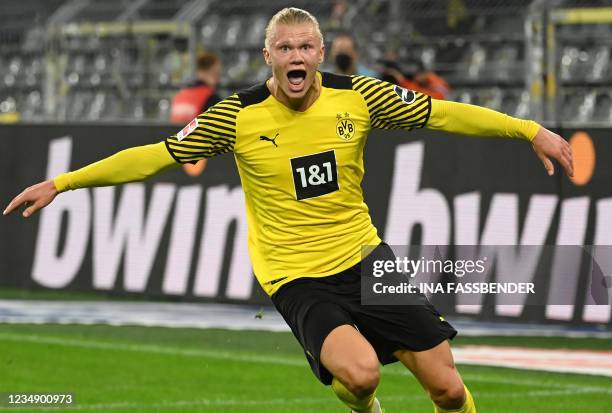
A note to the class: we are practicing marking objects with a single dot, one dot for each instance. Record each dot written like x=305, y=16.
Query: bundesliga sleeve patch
x=191, y=126
x=407, y=95
x=315, y=175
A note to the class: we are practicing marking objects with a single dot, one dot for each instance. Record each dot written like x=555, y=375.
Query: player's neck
x=298, y=104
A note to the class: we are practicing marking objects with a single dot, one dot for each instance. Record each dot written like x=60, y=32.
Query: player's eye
x=306, y=47
x=284, y=48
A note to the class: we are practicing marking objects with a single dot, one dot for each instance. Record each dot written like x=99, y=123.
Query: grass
x=143, y=369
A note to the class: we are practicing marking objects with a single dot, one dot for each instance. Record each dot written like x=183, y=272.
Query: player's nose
x=296, y=57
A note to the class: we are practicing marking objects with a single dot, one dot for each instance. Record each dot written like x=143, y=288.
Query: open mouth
x=296, y=80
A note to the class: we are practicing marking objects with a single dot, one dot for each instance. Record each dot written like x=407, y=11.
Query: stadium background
x=82, y=79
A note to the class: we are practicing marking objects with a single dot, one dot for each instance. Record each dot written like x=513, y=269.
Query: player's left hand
x=547, y=144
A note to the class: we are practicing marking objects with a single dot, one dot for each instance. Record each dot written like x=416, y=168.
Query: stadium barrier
x=183, y=236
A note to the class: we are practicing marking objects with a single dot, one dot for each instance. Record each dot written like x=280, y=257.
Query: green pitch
x=139, y=369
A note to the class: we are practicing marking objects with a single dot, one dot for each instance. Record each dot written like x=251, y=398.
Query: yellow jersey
x=301, y=171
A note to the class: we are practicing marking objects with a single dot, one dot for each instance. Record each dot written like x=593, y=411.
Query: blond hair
x=291, y=16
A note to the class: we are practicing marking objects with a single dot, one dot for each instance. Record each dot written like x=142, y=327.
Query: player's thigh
x=434, y=368
x=350, y=357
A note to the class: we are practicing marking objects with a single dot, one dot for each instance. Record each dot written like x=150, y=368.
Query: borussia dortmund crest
x=345, y=128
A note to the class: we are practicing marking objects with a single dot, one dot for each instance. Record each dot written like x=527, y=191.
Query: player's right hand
x=34, y=198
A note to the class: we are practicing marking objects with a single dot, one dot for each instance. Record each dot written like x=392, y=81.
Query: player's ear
x=266, y=56
x=322, y=54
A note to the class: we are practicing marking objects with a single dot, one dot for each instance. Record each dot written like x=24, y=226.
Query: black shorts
x=313, y=307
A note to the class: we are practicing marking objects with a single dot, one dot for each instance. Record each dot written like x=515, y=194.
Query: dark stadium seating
x=123, y=59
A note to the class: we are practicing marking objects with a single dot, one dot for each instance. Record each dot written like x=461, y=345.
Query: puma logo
x=273, y=140
x=277, y=280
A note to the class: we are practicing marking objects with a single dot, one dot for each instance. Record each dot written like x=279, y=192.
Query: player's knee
x=449, y=396
x=363, y=378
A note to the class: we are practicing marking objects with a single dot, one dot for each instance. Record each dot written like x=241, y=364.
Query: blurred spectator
x=195, y=98
x=198, y=96
x=338, y=16
x=412, y=75
x=344, y=55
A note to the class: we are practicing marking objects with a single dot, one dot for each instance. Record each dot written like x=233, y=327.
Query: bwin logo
x=407, y=96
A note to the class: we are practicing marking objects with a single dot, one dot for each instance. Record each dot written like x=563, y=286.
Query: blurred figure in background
x=412, y=75
x=344, y=55
x=198, y=96
x=339, y=18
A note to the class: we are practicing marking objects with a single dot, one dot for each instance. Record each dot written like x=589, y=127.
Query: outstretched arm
x=212, y=133
x=393, y=107
x=131, y=165
x=475, y=120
